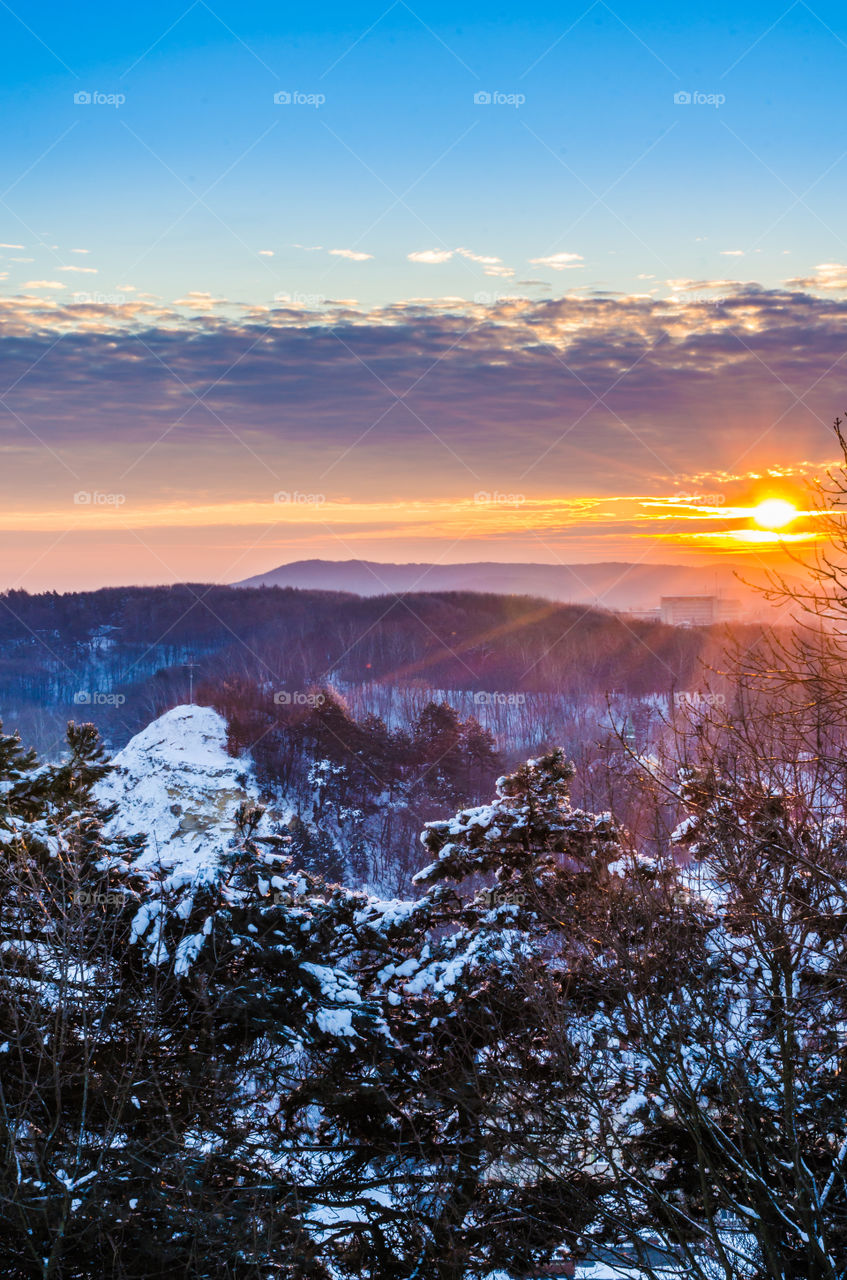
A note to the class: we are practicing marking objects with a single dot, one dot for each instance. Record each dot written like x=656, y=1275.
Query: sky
x=560, y=283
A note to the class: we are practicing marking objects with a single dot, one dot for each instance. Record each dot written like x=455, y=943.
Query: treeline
x=128, y=654
x=562, y=1048
x=361, y=790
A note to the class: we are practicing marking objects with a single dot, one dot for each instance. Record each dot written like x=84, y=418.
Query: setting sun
x=774, y=513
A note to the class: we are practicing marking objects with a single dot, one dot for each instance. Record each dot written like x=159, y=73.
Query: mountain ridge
x=615, y=585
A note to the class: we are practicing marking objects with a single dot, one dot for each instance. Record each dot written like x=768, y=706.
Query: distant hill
x=617, y=586
x=123, y=655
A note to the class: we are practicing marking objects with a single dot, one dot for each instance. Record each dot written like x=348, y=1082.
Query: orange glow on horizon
x=565, y=527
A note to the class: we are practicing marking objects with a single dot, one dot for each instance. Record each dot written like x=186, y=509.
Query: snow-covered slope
x=175, y=783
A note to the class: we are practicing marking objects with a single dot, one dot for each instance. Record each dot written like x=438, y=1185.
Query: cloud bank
x=430, y=401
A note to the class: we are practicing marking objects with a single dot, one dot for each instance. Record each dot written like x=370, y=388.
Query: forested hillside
x=128, y=654
x=566, y=1044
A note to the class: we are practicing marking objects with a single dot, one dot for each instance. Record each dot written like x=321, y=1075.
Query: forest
x=575, y=1047
x=127, y=654
x=407, y=706
x=330, y=972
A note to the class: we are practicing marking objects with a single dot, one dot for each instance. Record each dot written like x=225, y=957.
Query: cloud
x=665, y=387
x=86, y=271
x=196, y=298
x=732, y=253
x=43, y=284
x=492, y=266
x=431, y=257
x=11, y=246
x=353, y=254
x=703, y=286
x=828, y=275
x=80, y=250
x=478, y=257
x=559, y=261
x=266, y=253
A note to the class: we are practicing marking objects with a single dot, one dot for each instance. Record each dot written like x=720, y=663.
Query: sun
x=774, y=513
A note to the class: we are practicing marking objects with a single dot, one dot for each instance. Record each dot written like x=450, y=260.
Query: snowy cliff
x=175, y=783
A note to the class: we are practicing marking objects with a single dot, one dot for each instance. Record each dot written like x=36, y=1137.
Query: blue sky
x=598, y=162
x=591, y=255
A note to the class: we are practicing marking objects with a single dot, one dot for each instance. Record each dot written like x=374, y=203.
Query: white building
x=698, y=611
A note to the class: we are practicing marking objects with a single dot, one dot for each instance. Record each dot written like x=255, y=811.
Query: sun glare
x=774, y=513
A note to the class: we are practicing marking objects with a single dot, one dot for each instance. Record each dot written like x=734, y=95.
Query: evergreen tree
x=429, y=1125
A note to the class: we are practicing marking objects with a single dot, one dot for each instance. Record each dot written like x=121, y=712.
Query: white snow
x=176, y=783
x=335, y=1022
x=335, y=984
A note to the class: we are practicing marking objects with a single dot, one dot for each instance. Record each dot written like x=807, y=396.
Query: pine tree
x=435, y=1116
x=67, y=901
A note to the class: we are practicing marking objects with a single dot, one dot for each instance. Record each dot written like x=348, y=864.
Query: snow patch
x=176, y=783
